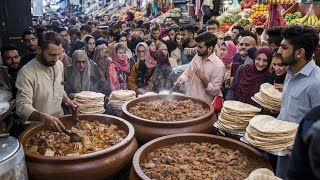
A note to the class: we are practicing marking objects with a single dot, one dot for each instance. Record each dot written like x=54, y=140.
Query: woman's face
x=223, y=51
x=163, y=48
x=121, y=53
x=104, y=52
x=178, y=40
x=261, y=62
x=91, y=45
x=153, y=47
x=278, y=67
x=141, y=52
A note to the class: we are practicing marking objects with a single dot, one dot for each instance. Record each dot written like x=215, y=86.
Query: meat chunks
x=198, y=161
x=95, y=137
x=168, y=110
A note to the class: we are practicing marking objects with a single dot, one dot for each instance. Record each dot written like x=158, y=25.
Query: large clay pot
x=147, y=130
x=102, y=164
x=254, y=156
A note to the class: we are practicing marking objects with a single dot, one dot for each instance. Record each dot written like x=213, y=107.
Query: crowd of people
x=104, y=55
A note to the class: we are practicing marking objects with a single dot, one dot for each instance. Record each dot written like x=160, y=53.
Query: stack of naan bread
x=269, y=97
x=235, y=116
x=270, y=134
x=119, y=97
x=90, y=102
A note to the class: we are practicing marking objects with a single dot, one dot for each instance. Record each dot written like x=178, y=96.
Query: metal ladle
x=74, y=137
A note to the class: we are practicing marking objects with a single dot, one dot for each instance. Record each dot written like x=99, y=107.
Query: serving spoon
x=74, y=137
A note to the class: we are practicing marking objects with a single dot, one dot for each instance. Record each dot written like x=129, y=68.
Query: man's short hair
x=72, y=21
x=121, y=34
x=274, y=34
x=60, y=29
x=239, y=28
x=212, y=22
x=305, y=37
x=154, y=28
x=50, y=37
x=9, y=47
x=28, y=31
x=245, y=33
x=86, y=28
x=208, y=38
x=188, y=28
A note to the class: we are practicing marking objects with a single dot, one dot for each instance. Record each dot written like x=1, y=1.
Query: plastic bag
x=235, y=7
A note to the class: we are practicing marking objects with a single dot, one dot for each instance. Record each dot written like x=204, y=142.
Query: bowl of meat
x=107, y=147
x=160, y=115
x=195, y=156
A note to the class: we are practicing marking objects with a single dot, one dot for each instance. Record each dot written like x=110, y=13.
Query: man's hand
x=279, y=87
x=204, y=80
x=52, y=122
x=72, y=104
x=180, y=81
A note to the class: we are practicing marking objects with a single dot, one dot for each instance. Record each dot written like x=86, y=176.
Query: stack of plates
x=270, y=134
x=118, y=98
x=269, y=97
x=90, y=102
x=235, y=116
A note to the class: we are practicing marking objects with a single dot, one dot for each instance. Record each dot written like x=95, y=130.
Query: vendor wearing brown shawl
x=248, y=78
x=83, y=75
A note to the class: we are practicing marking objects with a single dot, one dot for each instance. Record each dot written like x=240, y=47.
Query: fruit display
x=289, y=17
x=244, y=22
x=310, y=19
x=234, y=9
x=260, y=9
x=247, y=3
x=259, y=21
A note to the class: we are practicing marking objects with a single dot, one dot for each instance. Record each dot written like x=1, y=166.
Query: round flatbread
x=270, y=91
x=122, y=94
x=89, y=95
x=240, y=107
x=269, y=124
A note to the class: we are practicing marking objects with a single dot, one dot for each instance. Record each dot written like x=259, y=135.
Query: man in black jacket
x=304, y=162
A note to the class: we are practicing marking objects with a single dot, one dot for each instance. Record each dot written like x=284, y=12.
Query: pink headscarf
x=122, y=65
x=232, y=50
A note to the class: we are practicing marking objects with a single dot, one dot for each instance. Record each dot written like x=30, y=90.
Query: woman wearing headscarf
x=160, y=77
x=142, y=69
x=83, y=75
x=164, y=49
x=248, y=78
x=101, y=57
x=279, y=71
x=90, y=45
x=227, y=51
x=119, y=69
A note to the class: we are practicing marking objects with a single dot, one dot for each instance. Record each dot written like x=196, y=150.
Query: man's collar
x=306, y=70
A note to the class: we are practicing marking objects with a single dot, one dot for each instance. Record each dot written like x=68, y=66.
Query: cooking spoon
x=74, y=137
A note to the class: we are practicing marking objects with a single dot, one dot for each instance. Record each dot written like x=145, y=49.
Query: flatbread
x=240, y=107
x=89, y=95
x=122, y=94
x=271, y=91
x=269, y=124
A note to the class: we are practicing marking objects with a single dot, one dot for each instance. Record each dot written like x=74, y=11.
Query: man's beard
x=47, y=63
x=243, y=54
x=290, y=60
x=204, y=53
